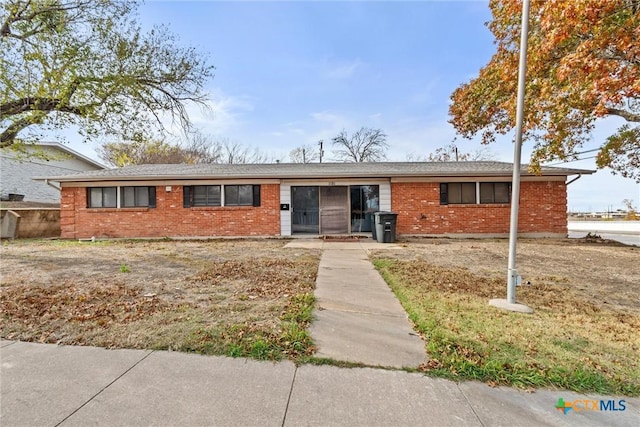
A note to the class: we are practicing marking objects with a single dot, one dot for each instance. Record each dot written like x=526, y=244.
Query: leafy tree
x=87, y=63
x=198, y=149
x=365, y=145
x=304, y=154
x=583, y=64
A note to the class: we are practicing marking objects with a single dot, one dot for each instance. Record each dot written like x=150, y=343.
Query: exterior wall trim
x=476, y=179
x=159, y=183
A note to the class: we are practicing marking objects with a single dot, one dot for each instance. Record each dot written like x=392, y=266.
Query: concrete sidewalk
x=49, y=385
x=357, y=317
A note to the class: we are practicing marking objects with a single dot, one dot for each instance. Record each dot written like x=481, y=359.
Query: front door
x=334, y=210
x=305, y=202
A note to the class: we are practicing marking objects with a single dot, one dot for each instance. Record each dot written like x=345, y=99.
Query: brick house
x=465, y=199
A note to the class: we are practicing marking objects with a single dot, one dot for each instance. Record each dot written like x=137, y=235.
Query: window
x=102, y=197
x=210, y=195
x=465, y=192
x=206, y=195
x=495, y=192
x=458, y=193
x=131, y=197
x=238, y=195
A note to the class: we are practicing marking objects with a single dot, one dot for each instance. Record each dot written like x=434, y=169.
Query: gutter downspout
x=46, y=181
x=574, y=179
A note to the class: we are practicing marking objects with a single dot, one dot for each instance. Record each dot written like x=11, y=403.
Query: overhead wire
x=577, y=154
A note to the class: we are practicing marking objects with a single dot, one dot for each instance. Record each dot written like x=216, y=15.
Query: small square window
x=206, y=195
x=137, y=197
x=458, y=193
x=102, y=197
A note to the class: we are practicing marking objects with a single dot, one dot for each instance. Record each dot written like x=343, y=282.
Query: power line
x=571, y=161
x=577, y=154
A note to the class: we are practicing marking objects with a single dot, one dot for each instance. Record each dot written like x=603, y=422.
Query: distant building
x=17, y=170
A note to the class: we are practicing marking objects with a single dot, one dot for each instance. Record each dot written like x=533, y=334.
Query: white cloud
x=223, y=113
x=342, y=71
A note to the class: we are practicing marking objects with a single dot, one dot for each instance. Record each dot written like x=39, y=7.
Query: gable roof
x=310, y=170
x=71, y=152
x=60, y=147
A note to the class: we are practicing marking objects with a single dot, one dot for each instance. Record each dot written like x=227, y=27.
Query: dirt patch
x=151, y=294
x=606, y=273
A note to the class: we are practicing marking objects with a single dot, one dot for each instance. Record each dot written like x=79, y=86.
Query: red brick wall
x=169, y=218
x=543, y=209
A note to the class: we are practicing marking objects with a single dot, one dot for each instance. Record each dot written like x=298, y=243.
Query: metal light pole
x=512, y=274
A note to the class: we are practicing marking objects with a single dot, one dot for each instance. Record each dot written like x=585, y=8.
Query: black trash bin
x=386, y=226
x=374, y=220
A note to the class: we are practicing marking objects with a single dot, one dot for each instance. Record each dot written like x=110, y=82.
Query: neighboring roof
x=68, y=151
x=71, y=152
x=309, y=170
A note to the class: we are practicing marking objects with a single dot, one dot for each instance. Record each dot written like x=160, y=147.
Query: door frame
x=286, y=197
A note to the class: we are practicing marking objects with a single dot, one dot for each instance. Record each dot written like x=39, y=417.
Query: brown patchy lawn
x=582, y=336
x=236, y=297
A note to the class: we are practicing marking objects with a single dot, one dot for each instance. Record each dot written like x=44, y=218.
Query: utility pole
x=321, y=150
x=512, y=274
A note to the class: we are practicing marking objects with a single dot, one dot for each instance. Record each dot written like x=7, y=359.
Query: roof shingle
x=310, y=170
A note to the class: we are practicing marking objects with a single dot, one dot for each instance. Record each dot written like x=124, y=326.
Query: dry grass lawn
x=236, y=297
x=583, y=334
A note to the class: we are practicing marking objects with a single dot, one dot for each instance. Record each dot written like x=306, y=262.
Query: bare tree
x=304, y=154
x=234, y=152
x=365, y=145
x=451, y=153
x=200, y=148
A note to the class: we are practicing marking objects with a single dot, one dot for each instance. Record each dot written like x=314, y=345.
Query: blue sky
x=295, y=72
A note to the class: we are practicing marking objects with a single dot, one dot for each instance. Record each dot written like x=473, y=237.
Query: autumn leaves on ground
x=254, y=298
x=240, y=298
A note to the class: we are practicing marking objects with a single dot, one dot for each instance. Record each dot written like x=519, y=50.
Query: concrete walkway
x=49, y=385
x=357, y=317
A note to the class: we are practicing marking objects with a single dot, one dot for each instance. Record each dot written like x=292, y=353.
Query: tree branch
x=8, y=136
x=33, y=103
x=627, y=115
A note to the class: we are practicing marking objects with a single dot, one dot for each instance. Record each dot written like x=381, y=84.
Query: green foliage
x=124, y=268
x=87, y=63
